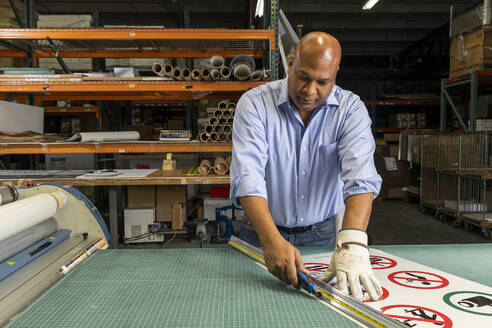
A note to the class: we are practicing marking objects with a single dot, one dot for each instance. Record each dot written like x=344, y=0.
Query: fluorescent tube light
x=369, y=4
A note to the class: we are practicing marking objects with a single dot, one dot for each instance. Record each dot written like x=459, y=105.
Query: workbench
x=208, y=288
x=69, y=177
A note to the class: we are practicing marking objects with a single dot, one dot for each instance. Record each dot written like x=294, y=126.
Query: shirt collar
x=284, y=95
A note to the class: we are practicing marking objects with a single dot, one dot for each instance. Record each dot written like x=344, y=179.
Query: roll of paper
x=25, y=213
x=105, y=136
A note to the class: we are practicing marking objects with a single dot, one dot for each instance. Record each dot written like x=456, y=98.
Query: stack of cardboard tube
x=219, y=127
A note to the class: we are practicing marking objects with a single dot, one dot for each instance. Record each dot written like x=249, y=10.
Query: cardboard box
x=137, y=222
x=20, y=118
x=141, y=196
x=177, y=216
x=166, y=196
x=470, y=51
x=394, y=176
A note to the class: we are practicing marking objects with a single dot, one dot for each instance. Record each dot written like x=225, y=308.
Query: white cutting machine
x=45, y=231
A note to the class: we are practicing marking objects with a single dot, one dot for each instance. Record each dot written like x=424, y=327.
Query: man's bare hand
x=282, y=260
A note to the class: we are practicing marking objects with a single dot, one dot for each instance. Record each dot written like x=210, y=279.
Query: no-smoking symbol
x=316, y=270
x=380, y=262
x=471, y=302
x=418, y=279
x=417, y=316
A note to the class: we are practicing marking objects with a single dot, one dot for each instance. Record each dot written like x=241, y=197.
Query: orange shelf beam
x=105, y=53
x=125, y=86
x=123, y=147
x=137, y=34
x=76, y=110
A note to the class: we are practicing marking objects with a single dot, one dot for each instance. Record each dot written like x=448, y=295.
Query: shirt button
x=305, y=148
x=303, y=172
x=302, y=219
x=302, y=196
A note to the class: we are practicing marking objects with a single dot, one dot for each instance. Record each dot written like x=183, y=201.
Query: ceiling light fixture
x=369, y=4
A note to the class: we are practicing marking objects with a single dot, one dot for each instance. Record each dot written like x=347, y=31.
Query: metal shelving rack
x=475, y=79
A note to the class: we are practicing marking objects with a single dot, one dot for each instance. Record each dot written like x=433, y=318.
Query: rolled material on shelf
x=227, y=129
x=215, y=74
x=204, y=167
x=205, y=72
x=158, y=69
x=204, y=137
x=243, y=60
x=231, y=106
x=229, y=160
x=217, y=61
x=8, y=194
x=214, y=137
x=223, y=104
x=230, y=121
x=28, y=212
x=168, y=69
x=256, y=75
x=196, y=75
x=213, y=121
x=222, y=121
x=225, y=73
x=105, y=136
x=220, y=166
x=18, y=242
x=222, y=137
x=177, y=74
x=209, y=129
x=219, y=130
x=186, y=73
x=226, y=114
x=218, y=113
x=241, y=72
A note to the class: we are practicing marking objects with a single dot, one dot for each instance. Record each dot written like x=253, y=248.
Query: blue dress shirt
x=305, y=173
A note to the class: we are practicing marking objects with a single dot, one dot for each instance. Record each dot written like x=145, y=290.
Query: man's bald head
x=313, y=70
x=320, y=45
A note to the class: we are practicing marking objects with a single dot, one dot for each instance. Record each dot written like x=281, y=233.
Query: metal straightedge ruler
x=358, y=311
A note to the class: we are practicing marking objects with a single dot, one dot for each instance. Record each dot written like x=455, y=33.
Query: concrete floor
x=399, y=222
x=393, y=222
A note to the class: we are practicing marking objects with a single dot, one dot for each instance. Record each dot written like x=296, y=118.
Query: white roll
x=105, y=136
x=25, y=213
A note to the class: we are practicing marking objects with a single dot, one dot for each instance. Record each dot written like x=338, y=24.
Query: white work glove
x=351, y=262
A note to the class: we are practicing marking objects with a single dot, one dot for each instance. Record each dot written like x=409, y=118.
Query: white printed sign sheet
x=420, y=296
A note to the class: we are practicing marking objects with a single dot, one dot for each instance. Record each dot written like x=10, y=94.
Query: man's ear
x=291, y=62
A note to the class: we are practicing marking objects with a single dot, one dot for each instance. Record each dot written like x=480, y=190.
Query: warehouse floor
x=393, y=222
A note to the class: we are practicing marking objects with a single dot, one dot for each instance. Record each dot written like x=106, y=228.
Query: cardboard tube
x=196, y=75
x=230, y=121
x=213, y=137
x=256, y=75
x=222, y=121
x=205, y=72
x=222, y=104
x=220, y=166
x=177, y=74
x=217, y=61
x=168, y=70
x=223, y=137
x=218, y=113
x=213, y=121
x=204, y=167
x=204, y=137
x=231, y=106
x=186, y=73
x=227, y=129
x=229, y=160
x=241, y=72
x=225, y=73
x=158, y=69
x=215, y=74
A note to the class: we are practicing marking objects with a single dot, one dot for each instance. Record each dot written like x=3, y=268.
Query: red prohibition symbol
x=409, y=313
x=384, y=296
x=418, y=279
x=380, y=262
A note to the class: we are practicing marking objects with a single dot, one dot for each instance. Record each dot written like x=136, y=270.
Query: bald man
x=302, y=151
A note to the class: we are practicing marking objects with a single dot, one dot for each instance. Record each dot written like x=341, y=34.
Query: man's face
x=310, y=81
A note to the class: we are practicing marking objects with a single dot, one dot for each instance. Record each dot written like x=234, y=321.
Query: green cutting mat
x=174, y=288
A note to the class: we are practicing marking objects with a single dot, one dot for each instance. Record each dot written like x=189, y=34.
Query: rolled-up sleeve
x=356, y=152
x=249, y=152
